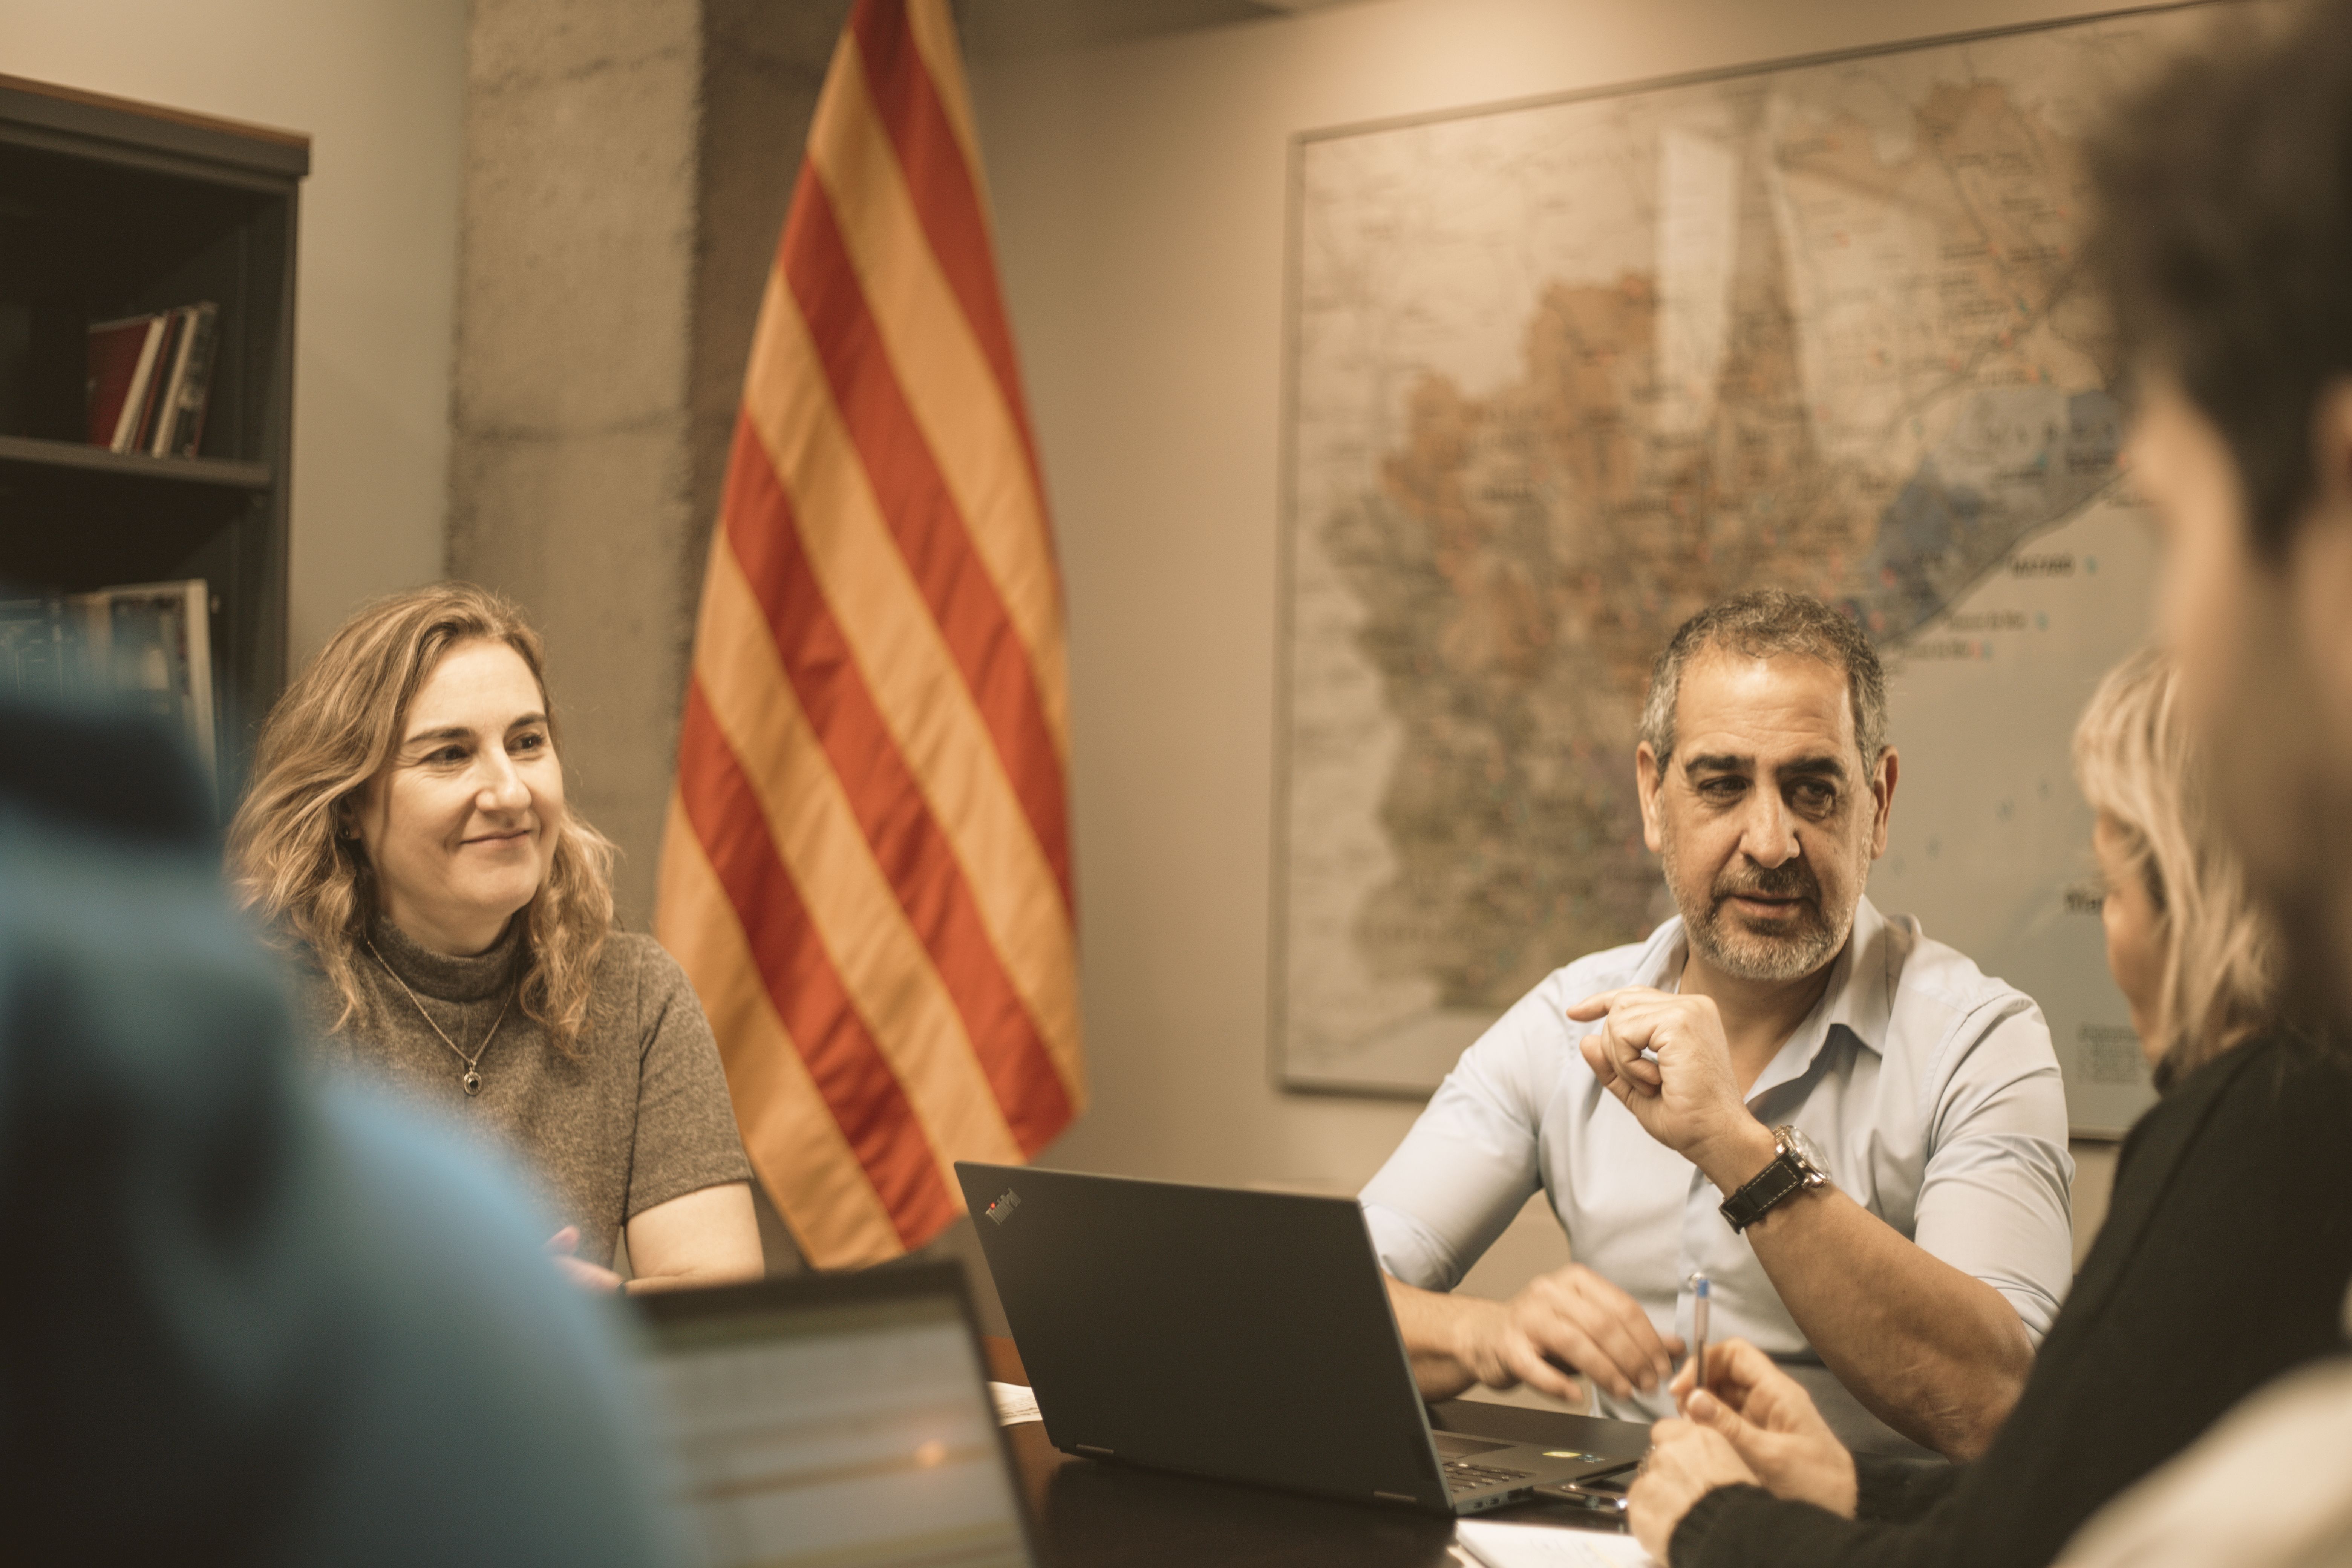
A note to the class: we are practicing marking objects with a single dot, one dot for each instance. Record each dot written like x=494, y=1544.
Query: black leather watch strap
x=1775, y=1182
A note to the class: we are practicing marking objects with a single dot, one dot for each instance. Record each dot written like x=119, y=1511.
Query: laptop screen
x=836, y=1431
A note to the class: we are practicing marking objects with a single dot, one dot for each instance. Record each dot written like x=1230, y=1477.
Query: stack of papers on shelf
x=1497, y=1544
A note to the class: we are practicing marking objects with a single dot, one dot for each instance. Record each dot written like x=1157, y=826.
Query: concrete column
x=628, y=164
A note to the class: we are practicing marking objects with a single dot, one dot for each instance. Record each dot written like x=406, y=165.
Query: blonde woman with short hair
x=407, y=837
x=2196, y=960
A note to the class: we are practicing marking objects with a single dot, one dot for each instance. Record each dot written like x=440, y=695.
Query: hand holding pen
x=1770, y=1420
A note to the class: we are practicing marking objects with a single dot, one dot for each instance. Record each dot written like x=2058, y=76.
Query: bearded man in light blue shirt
x=1855, y=1133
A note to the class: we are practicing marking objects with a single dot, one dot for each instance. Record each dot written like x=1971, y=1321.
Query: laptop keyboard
x=1462, y=1475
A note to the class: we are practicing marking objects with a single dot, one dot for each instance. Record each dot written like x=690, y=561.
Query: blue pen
x=1699, y=1285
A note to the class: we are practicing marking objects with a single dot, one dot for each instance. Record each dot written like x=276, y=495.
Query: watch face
x=1804, y=1148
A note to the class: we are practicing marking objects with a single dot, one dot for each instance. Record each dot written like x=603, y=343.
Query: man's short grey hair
x=1771, y=623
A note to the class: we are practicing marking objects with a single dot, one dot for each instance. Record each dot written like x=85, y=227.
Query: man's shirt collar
x=1857, y=999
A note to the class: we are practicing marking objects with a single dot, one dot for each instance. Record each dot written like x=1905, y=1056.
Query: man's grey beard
x=1751, y=955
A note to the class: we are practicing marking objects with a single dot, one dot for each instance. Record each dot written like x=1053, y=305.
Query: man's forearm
x=1425, y=1322
x=1935, y=1354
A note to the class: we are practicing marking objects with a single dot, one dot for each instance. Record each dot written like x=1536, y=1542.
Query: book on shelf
x=122, y=361
x=151, y=403
x=181, y=429
x=144, y=646
x=149, y=377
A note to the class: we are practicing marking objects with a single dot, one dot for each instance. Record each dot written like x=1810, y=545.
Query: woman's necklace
x=471, y=1079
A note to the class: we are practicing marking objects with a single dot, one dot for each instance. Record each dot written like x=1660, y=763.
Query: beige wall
x=378, y=85
x=1139, y=195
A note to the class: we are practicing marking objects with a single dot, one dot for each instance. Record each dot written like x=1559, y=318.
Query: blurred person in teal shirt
x=253, y=1321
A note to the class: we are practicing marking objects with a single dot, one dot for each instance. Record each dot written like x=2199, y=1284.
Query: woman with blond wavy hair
x=406, y=835
x=2197, y=964
x=2222, y=1262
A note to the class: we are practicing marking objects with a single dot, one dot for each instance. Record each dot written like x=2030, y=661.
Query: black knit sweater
x=2224, y=1262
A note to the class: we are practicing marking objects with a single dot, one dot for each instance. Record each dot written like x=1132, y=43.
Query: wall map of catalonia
x=1563, y=374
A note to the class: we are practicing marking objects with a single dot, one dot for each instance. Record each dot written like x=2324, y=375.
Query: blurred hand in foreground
x=1686, y=1462
x=1771, y=1422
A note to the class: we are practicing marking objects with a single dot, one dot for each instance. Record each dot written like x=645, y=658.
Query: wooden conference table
x=1090, y=1515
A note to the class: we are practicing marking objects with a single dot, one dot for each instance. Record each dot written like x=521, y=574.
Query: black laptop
x=1243, y=1335
x=826, y=1420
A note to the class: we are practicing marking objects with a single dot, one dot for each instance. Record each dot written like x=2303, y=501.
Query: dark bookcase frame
x=112, y=208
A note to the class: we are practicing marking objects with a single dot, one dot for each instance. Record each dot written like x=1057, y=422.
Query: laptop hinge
x=1398, y=1496
x=1092, y=1452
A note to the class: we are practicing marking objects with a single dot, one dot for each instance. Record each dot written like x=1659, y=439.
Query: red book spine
x=117, y=350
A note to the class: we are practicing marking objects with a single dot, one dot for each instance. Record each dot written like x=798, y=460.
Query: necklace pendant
x=473, y=1082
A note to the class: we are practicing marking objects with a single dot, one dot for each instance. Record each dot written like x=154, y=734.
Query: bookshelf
x=110, y=209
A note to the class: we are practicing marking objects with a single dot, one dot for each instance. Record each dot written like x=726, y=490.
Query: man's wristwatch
x=1797, y=1167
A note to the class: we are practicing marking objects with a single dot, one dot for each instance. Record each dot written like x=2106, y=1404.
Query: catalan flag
x=867, y=866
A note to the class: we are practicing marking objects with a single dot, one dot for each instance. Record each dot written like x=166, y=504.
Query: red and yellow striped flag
x=866, y=868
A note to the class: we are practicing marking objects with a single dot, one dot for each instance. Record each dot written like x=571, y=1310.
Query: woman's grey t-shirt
x=638, y=1116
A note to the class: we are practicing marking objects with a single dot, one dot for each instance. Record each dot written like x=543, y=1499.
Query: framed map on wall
x=1561, y=373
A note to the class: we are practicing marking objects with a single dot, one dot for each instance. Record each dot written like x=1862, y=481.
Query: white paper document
x=1497, y=1544
x=1015, y=1403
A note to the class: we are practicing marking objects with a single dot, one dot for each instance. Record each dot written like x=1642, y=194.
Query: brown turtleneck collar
x=442, y=976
